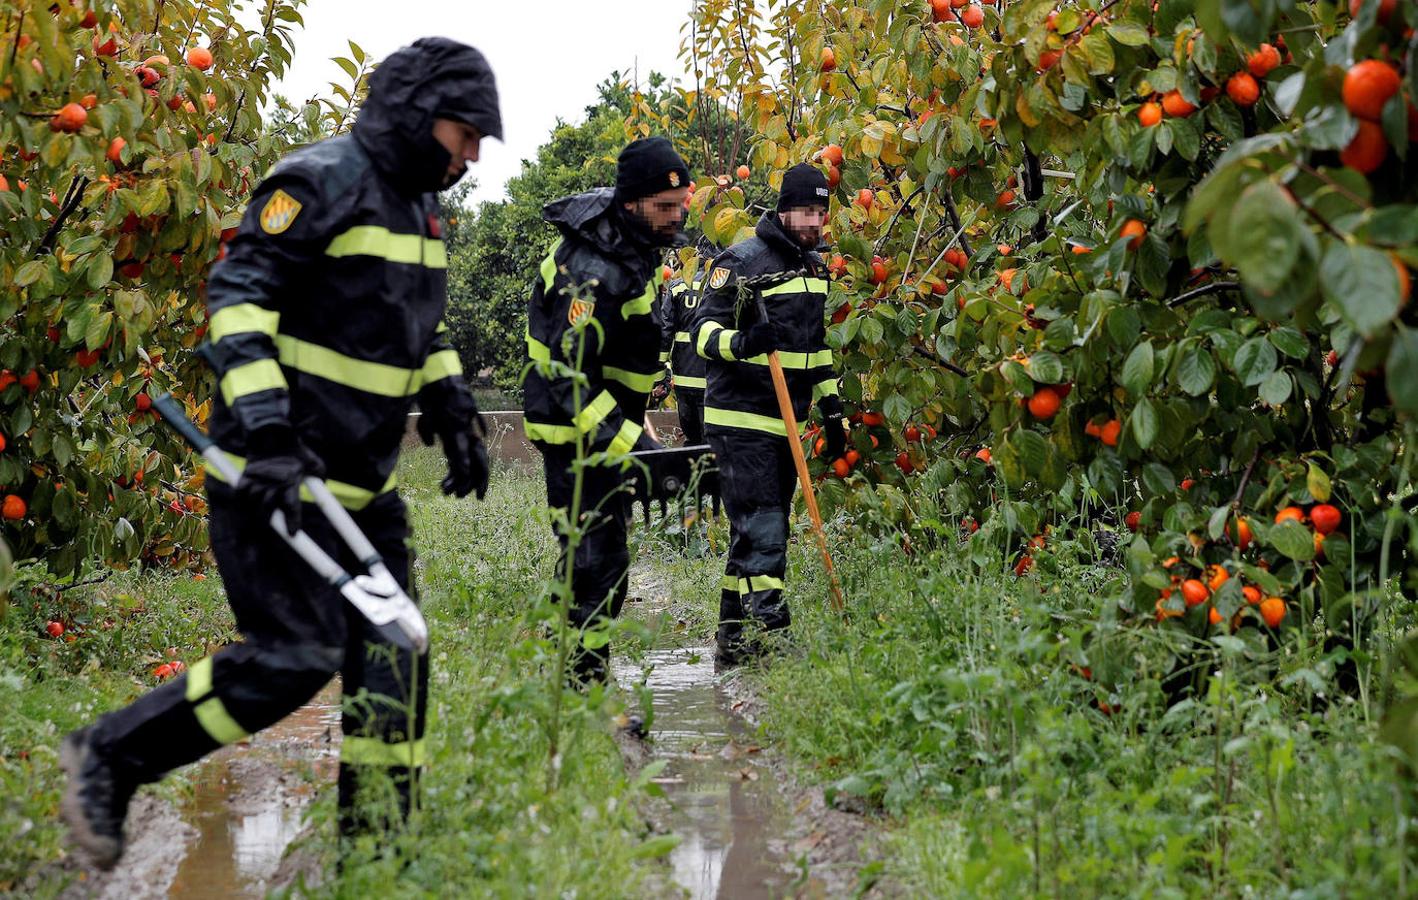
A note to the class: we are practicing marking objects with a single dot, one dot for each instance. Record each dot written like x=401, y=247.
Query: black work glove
x=463, y=445
x=661, y=390
x=832, y=430
x=761, y=337
x=276, y=464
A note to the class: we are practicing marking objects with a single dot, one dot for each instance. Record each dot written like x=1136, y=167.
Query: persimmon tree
x=1132, y=260
x=130, y=135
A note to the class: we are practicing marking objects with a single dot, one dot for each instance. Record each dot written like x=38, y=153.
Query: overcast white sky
x=548, y=55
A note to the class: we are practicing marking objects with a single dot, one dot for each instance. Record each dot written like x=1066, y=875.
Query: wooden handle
x=785, y=407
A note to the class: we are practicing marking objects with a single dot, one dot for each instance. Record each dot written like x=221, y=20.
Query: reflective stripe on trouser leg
x=757, y=479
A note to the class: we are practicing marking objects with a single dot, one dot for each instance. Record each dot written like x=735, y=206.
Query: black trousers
x=297, y=632
x=757, y=480
x=691, y=415
x=598, y=573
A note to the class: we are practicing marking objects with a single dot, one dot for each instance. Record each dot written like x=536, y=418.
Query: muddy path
x=748, y=828
x=226, y=838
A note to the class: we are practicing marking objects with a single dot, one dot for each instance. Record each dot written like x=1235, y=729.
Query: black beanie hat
x=803, y=185
x=648, y=166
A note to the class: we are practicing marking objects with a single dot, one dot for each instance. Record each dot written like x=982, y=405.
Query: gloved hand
x=276, y=464
x=832, y=430
x=661, y=390
x=463, y=445
x=761, y=337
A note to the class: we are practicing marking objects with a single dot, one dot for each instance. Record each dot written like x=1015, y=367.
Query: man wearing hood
x=325, y=322
x=742, y=420
x=592, y=312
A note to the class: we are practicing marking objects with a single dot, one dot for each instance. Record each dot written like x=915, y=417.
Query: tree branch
x=949, y=366
x=955, y=221
x=1215, y=287
x=71, y=203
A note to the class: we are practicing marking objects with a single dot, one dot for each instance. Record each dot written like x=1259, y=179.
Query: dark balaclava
x=432, y=78
x=803, y=185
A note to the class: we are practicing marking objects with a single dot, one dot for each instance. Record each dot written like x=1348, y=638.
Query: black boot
x=95, y=800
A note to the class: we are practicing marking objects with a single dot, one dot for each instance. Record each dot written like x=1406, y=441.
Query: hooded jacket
x=740, y=391
x=618, y=277
x=325, y=317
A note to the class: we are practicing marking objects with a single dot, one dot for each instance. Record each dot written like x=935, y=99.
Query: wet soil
x=226, y=839
x=748, y=829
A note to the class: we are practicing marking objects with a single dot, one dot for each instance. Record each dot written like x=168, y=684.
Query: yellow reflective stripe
x=536, y=350
x=726, y=338
x=625, y=439
x=349, y=495
x=595, y=412
x=664, y=356
x=549, y=267
x=549, y=434
x=241, y=318
x=827, y=388
x=794, y=360
x=442, y=327
x=251, y=378
x=211, y=714
x=443, y=364
x=706, y=331
x=728, y=583
x=688, y=381
x=370, y=377
x=798, y=286
x=763, y=583
x=368, y=751
x=636, y=381
x=752, y=421
x=681, y=337
x=374, y=240
x=678, y=289
x=641, y=305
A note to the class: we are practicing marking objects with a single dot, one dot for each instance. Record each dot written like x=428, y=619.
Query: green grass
x=952, y=705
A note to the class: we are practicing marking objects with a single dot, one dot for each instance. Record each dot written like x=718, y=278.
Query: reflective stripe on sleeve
x=625, y=438
x=374, y=240
x=548, y=268
x=641, y=305
x=252, y=378
x=706, y=331
x=825, y=388
x=682, y=337
x=242, y=318
x=440, y=365
x=536, y=350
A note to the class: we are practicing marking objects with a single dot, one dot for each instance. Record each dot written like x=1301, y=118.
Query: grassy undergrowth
x=1015, y=746
x=499, y=815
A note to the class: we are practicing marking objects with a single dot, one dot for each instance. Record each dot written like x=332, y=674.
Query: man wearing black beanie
x=593, y=311
x=742, y=420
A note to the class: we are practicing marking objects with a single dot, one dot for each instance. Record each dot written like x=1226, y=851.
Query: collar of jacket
x=593, y=217
x=770, y=229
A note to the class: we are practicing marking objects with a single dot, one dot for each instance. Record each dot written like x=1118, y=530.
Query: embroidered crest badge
x=718, y=278
x=674, y=179
x=579, y=311
x=279, y=212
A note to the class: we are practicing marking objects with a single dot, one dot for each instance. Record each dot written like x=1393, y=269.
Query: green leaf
x=655, y=847
x=1276, y=389
x=1254, y=361
x=1293, y=540
x=1196, y=371
x=1138, y=370
x=1402, y=370
x=1144, y=423
x=29, y=273
x=1290, y=341
x=1046, y=368
x=1362, y=283
x=1265, y=239
x=99, y=271
x=1158, y=479
x=1318, y=483
x=1033, y=450
x=97, y=331
x=1129, y=34
x=897, y=409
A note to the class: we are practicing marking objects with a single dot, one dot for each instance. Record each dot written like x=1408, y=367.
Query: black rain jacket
x=678, y=309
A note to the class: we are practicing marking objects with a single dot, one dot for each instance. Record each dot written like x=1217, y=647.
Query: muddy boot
x=95, y=799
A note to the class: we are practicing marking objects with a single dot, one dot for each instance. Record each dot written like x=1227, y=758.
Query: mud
x=748, y=829
x=227, y=838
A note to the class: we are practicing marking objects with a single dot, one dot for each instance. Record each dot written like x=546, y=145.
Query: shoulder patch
x=580, y=310
x=279, y=212
x=719, y=277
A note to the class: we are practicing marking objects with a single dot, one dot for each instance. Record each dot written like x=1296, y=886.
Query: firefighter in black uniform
x=325, y=329
x=678, y=310
x=741, y=416
x=604, y=275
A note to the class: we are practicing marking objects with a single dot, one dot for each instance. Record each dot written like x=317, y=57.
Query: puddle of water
x=240, y=844
x=725, y=808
